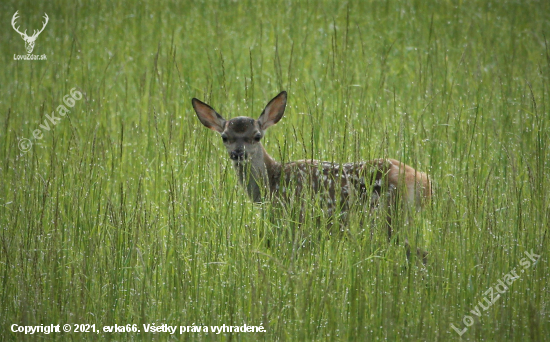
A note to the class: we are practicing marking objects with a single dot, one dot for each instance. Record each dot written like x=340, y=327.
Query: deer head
x=29, y=41
x=242, y=135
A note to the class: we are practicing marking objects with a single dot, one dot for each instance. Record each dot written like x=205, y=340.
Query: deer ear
x=208, y=116
x=273, y=112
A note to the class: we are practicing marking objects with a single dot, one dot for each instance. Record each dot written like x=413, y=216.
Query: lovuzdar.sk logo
x=29, y=40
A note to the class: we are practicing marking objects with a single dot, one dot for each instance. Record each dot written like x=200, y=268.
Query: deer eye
x=224, y=138
x=257, y=137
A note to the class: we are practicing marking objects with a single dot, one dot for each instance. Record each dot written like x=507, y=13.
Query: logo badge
x=29, y=40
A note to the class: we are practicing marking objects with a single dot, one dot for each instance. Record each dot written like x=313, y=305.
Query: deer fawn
x=262, y=175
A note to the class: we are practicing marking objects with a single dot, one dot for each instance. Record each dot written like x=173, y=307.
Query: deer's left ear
x=208, y=116
x=273, y=112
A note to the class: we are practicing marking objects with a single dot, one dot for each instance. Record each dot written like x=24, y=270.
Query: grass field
x=127, y=210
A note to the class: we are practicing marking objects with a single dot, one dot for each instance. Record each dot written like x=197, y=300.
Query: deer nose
x=237, y=155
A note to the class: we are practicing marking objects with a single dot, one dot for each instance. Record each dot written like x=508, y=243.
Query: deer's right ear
x=208, y=116
x=273, y=112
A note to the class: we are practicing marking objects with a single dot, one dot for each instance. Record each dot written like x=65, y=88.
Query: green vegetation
x=127, y=211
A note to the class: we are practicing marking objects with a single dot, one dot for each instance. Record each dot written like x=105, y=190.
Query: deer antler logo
x=29, y=41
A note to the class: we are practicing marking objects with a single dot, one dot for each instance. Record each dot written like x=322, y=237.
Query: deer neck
x=259, y=175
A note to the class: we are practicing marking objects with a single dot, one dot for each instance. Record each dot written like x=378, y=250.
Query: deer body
x=338, y=184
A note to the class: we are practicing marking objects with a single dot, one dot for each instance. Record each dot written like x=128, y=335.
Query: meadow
x=127, y=210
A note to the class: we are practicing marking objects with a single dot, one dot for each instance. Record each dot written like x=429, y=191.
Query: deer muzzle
x=238, y=155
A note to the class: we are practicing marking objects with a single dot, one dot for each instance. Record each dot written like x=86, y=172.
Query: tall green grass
x=128, y=211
